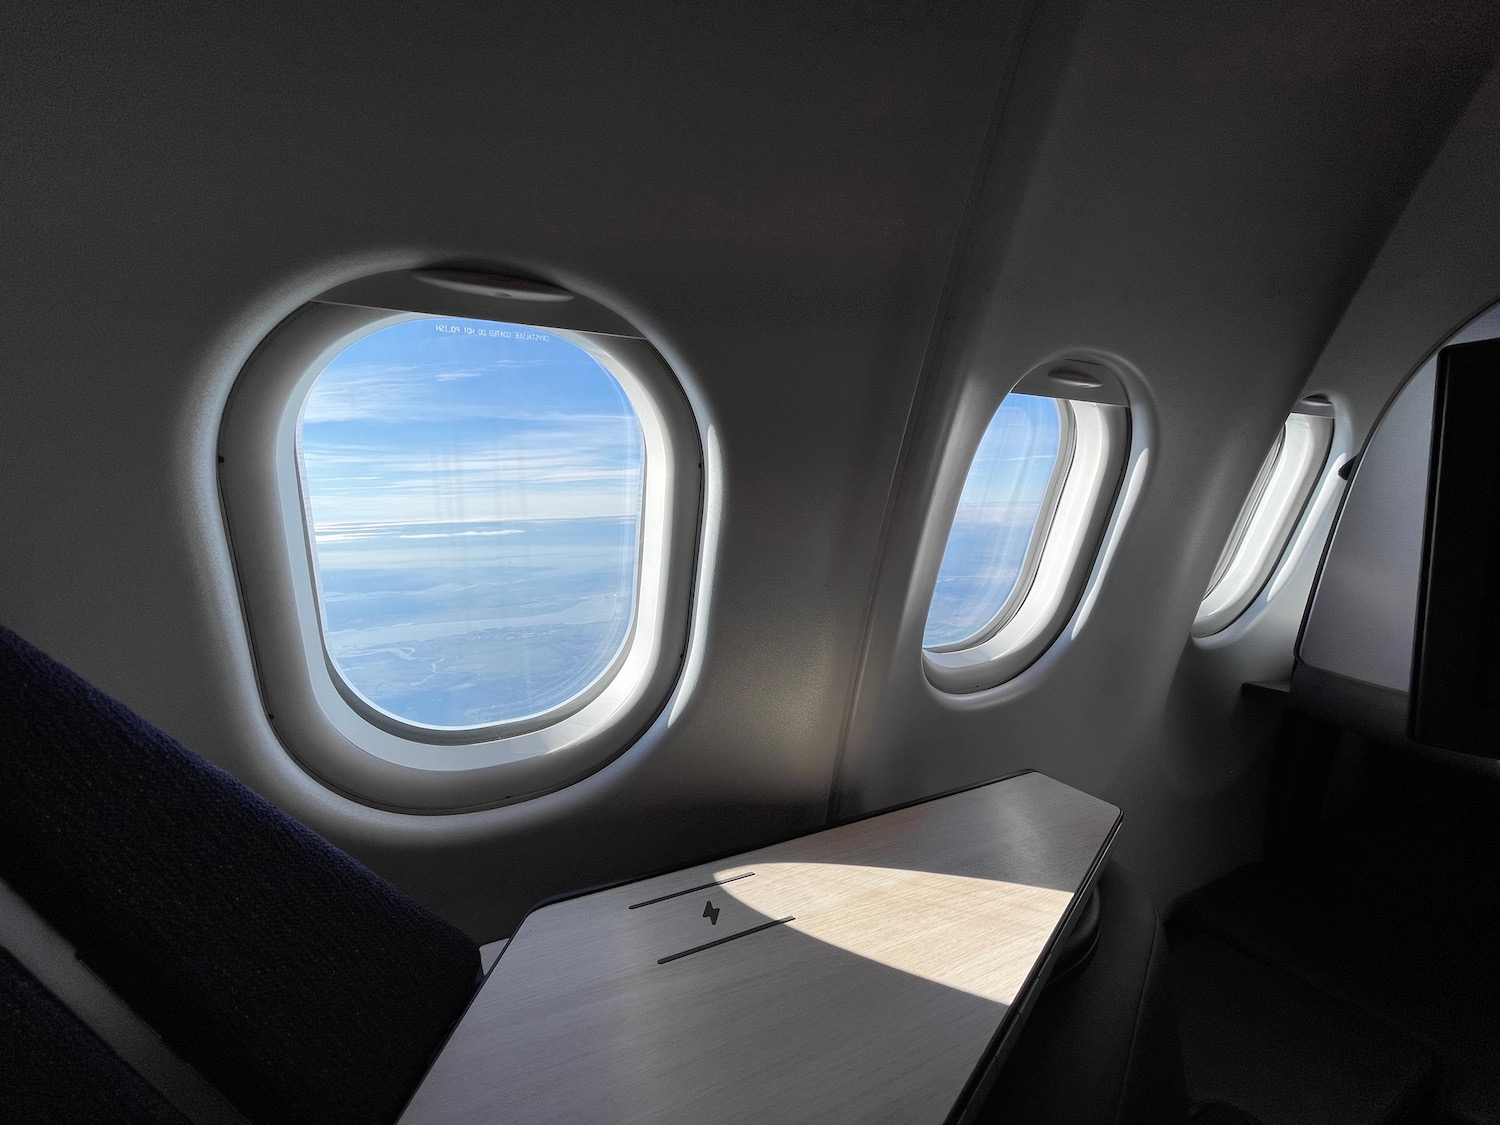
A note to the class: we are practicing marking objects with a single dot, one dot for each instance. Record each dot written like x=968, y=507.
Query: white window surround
x=1094, y=441
x=396, y=765
x=1266, y=520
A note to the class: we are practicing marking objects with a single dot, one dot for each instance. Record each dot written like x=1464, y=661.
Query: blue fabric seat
x=304, y=986
x=55, y=1070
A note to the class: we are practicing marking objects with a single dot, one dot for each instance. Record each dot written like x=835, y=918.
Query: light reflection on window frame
x=1283, y=487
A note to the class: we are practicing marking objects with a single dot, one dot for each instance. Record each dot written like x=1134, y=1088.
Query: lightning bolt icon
x=711, y=912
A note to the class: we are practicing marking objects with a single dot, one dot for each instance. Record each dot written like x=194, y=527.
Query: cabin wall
x=1204, y=194
x=773, y=197
x=836, y=222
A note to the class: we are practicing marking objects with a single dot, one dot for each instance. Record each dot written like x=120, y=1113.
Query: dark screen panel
x=1455, y=691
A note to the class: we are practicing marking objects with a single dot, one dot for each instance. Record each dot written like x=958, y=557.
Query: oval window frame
x=1097, y=431
x=1268, y=518
x=260, y=486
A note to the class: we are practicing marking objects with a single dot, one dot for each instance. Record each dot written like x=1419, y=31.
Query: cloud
x=584, y=469
x=382, y=392
x=570, y=456
x=560, y=546
x=478, y=491
x=1000, y=515
x=378, y=531
x=430, y=503
x=462, y=534
x=423, y=446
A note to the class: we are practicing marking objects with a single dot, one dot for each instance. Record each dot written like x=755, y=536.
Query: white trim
x=1265, y=521
x=396, y=765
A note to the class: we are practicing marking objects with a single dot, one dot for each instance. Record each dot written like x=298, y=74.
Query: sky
x=997, y=515
x=473, y=491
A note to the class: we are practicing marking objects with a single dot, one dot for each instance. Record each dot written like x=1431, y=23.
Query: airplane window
x=473, y=498
x=1266, y=520
x=1036, y=498
x=465, y=544
x=992, y=547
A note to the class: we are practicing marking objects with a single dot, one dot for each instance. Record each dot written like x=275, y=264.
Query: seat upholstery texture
x=55, y=1071
x=300, y=983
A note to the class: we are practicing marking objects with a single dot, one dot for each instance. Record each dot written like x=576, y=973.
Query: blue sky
x=996, y=516
x=474, y=493
x=418, y=423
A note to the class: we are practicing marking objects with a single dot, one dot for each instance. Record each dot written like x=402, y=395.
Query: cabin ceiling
x=843, y=225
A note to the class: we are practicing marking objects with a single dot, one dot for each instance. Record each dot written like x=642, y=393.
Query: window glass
x=473, y=496
x=995, y=530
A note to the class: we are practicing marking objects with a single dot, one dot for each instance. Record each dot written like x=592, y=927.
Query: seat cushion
x=55, y=1071
x=303, y=985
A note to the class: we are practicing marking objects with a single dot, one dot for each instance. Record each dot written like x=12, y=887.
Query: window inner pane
x=473, y=492
x=997, y=519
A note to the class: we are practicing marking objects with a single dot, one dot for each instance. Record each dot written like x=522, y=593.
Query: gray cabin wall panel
x=1361, y=622
x=1207, y=190
x=773, y=196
